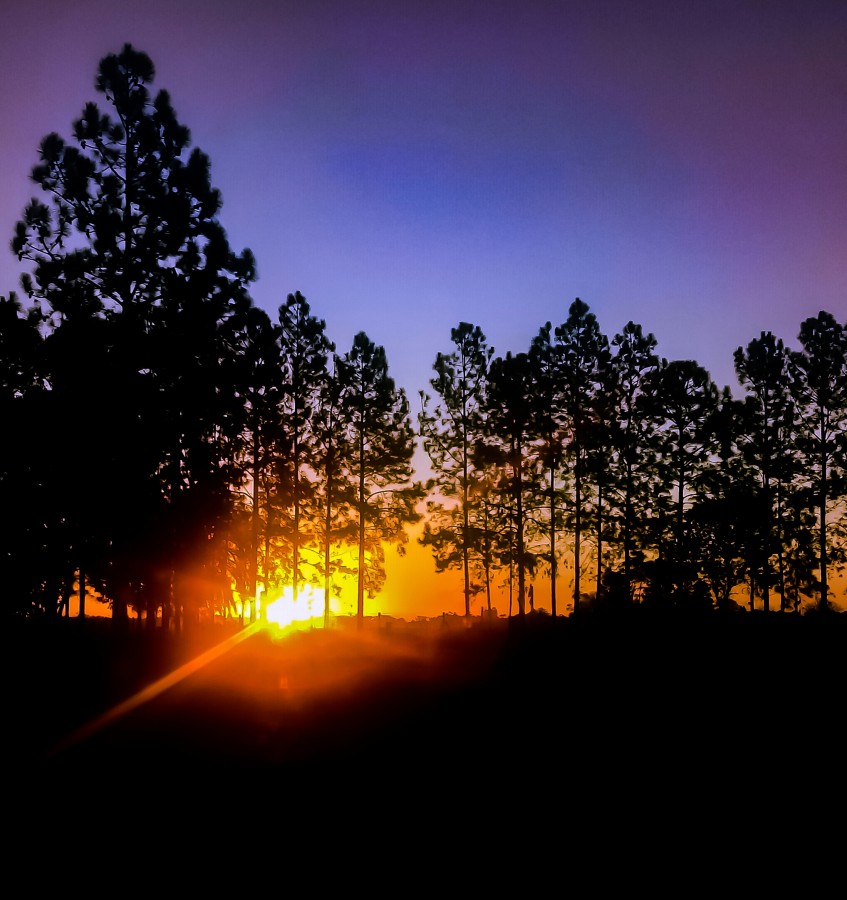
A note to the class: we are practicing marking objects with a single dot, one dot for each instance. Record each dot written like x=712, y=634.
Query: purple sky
x=410, y=166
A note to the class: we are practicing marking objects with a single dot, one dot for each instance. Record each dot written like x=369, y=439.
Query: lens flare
x=288, y=610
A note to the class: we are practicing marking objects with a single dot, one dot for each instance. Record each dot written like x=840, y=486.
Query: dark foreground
x=497, y=736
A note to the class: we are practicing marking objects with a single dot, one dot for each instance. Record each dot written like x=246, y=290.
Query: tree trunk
x=824, y=600
x=81, y=592
x=553, y=567
x=577, y=537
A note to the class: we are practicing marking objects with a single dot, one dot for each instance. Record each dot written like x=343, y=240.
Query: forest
x=173, y=451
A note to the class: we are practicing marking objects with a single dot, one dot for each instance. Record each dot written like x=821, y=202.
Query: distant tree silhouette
x=820, y=392
x=582, y=346
x=449, y=433
x=510, y=434
x=763, y=369
x=634, y=359
x=724, y=520
x=544, y=398
x=256, y=357
x=683, y=398
x=305, y=351
x=600, y=441
x=336, y=520
x=381, y=447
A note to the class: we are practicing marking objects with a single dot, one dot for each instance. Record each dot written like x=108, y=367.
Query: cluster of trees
x=667, y=489
x=167, y=441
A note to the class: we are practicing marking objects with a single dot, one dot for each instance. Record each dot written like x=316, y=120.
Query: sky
x=409, y=166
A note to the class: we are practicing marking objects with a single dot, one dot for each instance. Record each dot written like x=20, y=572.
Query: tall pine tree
x=129, y=234
x=381, y=447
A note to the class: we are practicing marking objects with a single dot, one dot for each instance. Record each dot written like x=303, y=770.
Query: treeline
x=640, y=474
x=167, y=442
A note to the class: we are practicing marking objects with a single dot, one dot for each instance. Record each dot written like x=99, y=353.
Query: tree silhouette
x=130, y=235
x=601, y=438
x=381, y=447
x=633, y=360
x=582, y=346
x=449, y=433
x=548, y=423
x=683, y=399
x=511, y=433
x=305, y=350
x=820, y=391
x=336, y=494
x=256, y=358
x=763, y=368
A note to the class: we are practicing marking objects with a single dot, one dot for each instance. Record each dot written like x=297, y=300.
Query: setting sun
x=286, y=609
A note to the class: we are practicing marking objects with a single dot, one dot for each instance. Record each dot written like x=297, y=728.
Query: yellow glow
x=288, y=609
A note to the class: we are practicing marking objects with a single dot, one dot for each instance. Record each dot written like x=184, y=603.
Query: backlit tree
x=379, y=464
x=129, y=234
x=449, y=431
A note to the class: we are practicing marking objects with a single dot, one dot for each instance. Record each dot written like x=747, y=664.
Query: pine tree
x=381, y=447
x=763, y=368
x=581, y=346
x=548, y=417
x=305, y=351
x=820, y=391
x=683, y=398
x=258, y=372
x=336, y=494
x=511, y=434
x=130, y=235
x=633, y=360
x=449, y=433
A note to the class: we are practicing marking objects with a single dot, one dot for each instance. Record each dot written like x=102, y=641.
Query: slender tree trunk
x=553, y=523
x=767, y=541
x=577, y=541
x=466, y=564
x=67, y=591
x=488, y=587
x=520, y=532
x=824, y=600
x=327, y=555
x=779, y=548
x=254, y=534
x=511, y=585
x=486, y=564
x=266, y=554
x=295, y=538
x=627, y=532
x=360, y=586
x=599, y=588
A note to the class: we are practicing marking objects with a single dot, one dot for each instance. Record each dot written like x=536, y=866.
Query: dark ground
x=530, y=739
